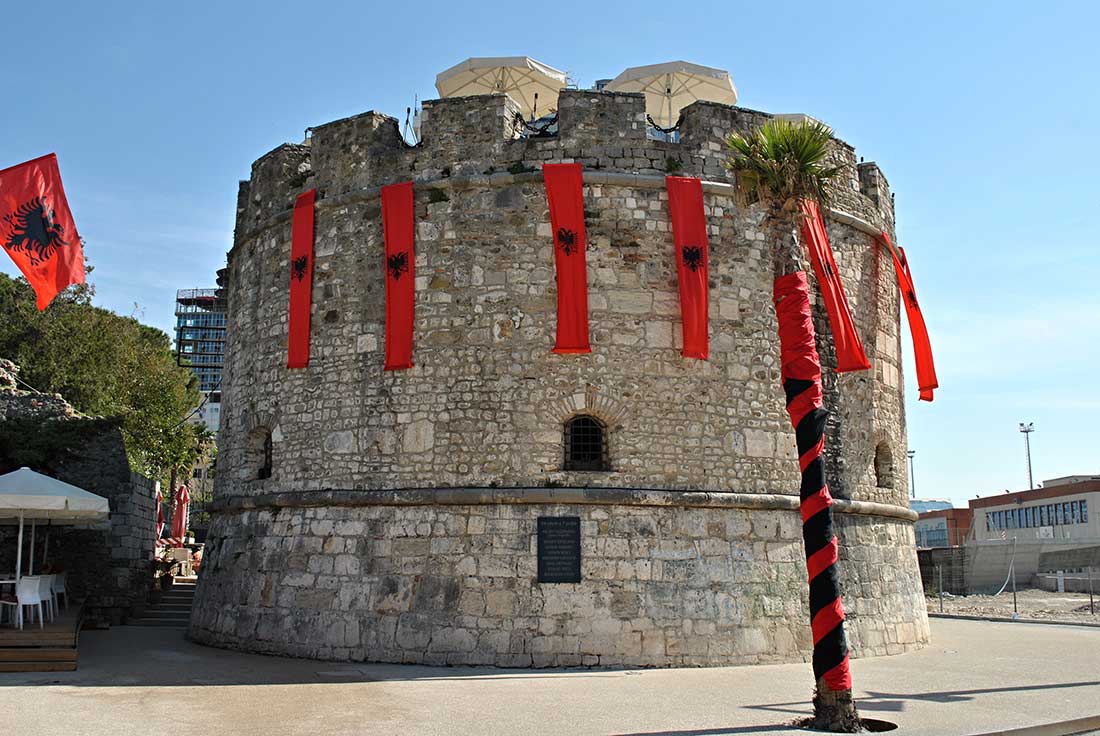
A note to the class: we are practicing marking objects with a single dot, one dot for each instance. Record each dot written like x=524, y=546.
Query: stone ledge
x=593, y=496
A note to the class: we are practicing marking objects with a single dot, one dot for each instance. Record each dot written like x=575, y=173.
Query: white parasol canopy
x=531, y=84
x=36, y=496
x=27, y=495
x=673, y=85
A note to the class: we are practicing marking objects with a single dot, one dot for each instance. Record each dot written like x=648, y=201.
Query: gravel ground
x=1031, y=604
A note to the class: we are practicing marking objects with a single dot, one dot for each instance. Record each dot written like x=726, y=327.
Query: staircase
x=173, y=609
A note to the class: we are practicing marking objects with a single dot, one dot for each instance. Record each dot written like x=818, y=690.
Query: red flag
x=689, y=234
x=301, y=280
x=398, y=230
x=37, y=229
x=563, y=193
x=850, y=355
x=922, y=346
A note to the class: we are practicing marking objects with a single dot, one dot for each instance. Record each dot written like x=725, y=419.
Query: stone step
x=48, y=666
x=162, y=622
x=185, y=597
x=157, y=613
x=38, y=654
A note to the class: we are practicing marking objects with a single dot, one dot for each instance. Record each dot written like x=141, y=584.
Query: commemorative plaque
x=559, y=549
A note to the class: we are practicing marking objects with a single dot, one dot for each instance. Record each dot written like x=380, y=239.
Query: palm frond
x=782, y=161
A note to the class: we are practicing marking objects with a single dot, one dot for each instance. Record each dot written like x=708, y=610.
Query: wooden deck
x=52, y=648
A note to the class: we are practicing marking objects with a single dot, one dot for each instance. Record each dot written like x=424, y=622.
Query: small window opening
x=586, y=444
x=260, y=452
x=884, y=466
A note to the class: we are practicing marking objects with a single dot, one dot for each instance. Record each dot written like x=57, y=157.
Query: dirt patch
x=1030, y=604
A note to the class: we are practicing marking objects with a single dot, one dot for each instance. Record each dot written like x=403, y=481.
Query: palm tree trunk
x=834, y=708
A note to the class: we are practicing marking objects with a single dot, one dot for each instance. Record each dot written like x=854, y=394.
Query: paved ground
x=976, y=678
x=1032, y=604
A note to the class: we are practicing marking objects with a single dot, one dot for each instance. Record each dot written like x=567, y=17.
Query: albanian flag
x=301, y=280
x=850, y=355
x=689, y=235
x=563, y=193
x=37, y=229
x=399, y=230
x=922, y=346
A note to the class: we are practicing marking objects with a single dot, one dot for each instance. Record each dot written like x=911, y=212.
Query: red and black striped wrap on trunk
x=801, y=371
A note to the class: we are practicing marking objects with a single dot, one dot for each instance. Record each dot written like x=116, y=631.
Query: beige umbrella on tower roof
x=531, y=84
x=673, y=85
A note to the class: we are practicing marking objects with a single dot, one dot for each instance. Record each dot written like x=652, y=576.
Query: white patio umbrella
x=532, y=85
x=673, y=85
x=27, y=495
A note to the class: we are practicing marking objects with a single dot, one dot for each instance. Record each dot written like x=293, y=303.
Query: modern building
x=200, y=345
x=1058, y=510
x=920, y=505
x=942, y=528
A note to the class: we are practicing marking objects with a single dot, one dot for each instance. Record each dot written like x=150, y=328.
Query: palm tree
x=778, y=166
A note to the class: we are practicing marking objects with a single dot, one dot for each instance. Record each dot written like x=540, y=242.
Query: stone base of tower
x=449, y=577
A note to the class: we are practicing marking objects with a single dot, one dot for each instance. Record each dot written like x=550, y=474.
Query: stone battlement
x=469, y=137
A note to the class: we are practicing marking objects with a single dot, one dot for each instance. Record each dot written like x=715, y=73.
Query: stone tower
x=392, y=516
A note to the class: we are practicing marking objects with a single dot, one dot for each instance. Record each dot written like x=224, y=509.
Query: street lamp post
x=1027, y=429
x=912, y=474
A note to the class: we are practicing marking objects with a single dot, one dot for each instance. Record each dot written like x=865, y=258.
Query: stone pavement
x=975, y=678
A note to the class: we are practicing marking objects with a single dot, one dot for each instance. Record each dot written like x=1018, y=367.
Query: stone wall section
x=111, y=564
x=662, y=586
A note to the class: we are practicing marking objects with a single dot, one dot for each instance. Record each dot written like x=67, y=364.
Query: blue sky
x=979, y=113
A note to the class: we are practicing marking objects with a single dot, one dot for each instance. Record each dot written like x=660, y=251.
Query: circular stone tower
x=394, y=516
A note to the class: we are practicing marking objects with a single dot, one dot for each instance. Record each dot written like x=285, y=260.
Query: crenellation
x=589, y=118
x=361, y=151
x=277, y=177
x=873, y=185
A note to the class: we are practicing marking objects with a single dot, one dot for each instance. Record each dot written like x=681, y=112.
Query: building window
x=884, y=466
x=586, y=444
x=1084, y=512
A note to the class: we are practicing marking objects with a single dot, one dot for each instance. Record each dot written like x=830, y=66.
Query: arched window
x=884, y=466
x=259, y=452
x=586, y=444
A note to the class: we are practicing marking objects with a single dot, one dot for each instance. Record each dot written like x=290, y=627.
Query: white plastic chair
x=27, y=594
x=58, y=590
x=45, y=592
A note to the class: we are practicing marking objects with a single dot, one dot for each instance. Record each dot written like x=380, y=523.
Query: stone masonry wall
x=662, y=585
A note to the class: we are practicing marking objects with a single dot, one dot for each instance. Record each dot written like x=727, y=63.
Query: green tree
x=105, y=365
x=777, y=166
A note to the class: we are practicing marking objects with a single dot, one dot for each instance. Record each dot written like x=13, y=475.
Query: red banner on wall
x=689, y=234
x=399, y=230
x=850, y=355
x=922, y=346
x=563, y=192
x=301, y=280
x=37, y=228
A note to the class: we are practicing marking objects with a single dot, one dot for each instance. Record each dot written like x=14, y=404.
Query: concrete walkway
x=976, y=678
